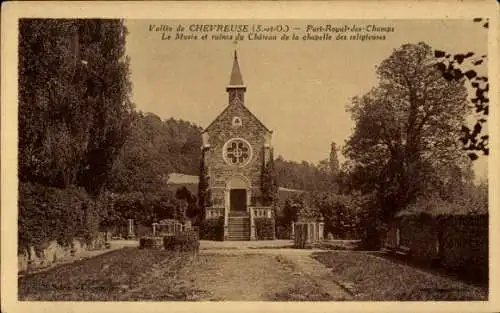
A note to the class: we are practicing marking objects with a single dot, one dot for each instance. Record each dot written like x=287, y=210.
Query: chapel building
x=236, y=148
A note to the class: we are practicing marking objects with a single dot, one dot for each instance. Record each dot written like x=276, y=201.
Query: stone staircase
x=238, y=227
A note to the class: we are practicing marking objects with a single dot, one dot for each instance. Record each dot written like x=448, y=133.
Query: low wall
x=54, y=252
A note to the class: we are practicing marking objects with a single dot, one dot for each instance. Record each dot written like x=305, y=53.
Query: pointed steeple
x=236, y=79
x=236, y=87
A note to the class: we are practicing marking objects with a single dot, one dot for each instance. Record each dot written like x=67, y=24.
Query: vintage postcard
x=250, y=156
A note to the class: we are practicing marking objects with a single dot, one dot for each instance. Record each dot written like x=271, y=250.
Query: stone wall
x=54, y=252
x=220, y=132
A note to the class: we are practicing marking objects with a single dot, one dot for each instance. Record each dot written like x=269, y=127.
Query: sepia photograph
x=278, y=160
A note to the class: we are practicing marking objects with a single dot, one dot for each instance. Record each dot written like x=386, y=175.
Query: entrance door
x=238, y=200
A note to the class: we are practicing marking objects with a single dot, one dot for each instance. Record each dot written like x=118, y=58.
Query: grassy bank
x=125, y=274
x=370, y=278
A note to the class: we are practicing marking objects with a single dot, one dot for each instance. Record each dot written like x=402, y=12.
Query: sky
x=299, y=89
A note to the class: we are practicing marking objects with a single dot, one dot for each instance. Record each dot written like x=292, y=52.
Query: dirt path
x=261, y=274
x=245, y=273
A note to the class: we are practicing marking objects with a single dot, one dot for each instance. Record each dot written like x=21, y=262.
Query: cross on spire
x=236, y=78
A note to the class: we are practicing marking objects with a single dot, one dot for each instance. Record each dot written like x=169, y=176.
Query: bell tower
x=236, y=88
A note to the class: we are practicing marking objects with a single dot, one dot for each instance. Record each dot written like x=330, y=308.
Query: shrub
x=185, y=242
x=212, y=229
x=464, y=245
x=283, y=232
x=264, y=228
x=47, y=214
x=345, y=216
x=150, y=242
x=146, y=243
x=143, y=230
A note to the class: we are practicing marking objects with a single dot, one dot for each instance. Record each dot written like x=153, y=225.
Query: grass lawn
x=125, y=274
x=368, y=277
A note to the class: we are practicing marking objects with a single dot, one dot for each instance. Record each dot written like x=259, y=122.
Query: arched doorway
x=238, y=192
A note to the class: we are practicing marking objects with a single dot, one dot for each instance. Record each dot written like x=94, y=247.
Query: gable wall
x=219, y=133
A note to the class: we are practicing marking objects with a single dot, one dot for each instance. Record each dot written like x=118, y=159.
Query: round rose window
x=237, y=152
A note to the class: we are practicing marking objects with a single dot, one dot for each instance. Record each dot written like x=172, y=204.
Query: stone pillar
x=292, y=235
x=249, y=198
x=131, y=234
x=154, y=229
x=321, y=230
x=226, y=213
x=252, y=226
x=309, y=230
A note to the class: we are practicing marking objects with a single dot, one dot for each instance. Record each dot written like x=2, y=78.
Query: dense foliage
x=342, y=214
x=204, y=195
x=192, y=211
x=74, y=116
x=153, y=149
x=269, y=183
x=264, y=228
x=212, y=229
x=143, y=207
x=73, y=100
x=304, y=175
x=406, y=139
x=182, y=242
x=299, y=208
x=468, y=200
x=49, y=213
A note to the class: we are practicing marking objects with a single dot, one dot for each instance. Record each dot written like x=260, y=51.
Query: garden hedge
x=184, y=242
x=212, y=229
x=264, y=228
x=47, y=214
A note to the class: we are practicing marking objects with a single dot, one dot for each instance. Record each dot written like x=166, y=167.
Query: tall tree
x=106, y=76
x=304, y=175
x=333, y=161
x=74, y=102
x=269, y=182
x=204, y=195
x=407, y=128
x=153, y=150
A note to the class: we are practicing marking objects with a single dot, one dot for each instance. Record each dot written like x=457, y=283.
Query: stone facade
x=236, y=147
x=221, y=174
